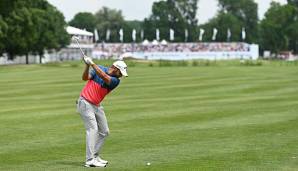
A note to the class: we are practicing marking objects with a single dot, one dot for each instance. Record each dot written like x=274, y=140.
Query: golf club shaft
x=80, y=48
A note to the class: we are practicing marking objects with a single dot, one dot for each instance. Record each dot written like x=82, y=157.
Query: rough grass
x=231, y=116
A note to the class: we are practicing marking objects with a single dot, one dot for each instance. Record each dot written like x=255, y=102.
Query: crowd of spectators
x=119, y=48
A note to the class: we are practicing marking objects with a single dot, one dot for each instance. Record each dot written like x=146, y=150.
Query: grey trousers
x=96, y=126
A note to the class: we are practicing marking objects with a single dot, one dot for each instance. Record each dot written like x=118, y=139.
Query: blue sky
x=139, y=9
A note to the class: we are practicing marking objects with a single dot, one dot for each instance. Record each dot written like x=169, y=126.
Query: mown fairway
x=177, y=118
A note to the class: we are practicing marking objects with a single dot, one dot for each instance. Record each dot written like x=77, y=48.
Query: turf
x=222, y=117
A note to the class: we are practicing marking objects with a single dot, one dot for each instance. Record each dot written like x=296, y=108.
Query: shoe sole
x=94, y=165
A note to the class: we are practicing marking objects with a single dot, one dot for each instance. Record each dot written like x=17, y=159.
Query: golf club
x=77, y=40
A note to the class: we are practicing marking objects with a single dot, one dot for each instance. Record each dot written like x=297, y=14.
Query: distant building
x=72, y=52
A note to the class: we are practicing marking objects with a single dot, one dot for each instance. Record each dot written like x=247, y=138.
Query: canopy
x=145, y=42
x=164, y=42
x=154, y=42
x=75, y=31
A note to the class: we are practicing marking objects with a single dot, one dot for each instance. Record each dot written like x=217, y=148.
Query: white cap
x=121, y=65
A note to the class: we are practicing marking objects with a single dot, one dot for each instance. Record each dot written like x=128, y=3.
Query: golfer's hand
x=88, y=60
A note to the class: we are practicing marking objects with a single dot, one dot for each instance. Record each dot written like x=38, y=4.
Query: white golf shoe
x=94, y=163
x=101, y=160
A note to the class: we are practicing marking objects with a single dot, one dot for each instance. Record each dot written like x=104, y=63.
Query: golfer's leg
x=103, y=129
x=88, y=116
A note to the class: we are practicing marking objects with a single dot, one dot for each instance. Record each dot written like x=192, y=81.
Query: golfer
x=100, y=82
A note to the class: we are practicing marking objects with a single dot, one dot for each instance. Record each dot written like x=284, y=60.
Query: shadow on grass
x=71, y=163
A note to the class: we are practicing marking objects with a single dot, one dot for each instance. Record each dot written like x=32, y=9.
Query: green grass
x=223, y=116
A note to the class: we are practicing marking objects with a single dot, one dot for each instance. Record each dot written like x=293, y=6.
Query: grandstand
x=178, y=51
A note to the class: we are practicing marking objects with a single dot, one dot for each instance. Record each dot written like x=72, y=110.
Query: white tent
x=75, y=31
x=164, y=42
x=155, y=42
x=145, y=42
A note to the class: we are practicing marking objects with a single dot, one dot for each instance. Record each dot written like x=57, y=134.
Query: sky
x=140, y=9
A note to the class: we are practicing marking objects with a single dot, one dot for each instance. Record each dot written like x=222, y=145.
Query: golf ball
x=148, y=164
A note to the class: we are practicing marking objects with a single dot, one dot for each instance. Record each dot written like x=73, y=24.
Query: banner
x=108, y=34
x=134, y=35
x=229, y=35
x=121, y=35
x=214, y=34
x=243, y=34
x=96, y=37
x=186, y=35
x=202, y=31
x=142, y=35
x=172, y=35
x=157, y=35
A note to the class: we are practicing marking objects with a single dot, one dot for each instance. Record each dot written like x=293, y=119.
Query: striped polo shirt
x=96, y=89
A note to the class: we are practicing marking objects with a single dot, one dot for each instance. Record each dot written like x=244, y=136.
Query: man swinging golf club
x=100, y=82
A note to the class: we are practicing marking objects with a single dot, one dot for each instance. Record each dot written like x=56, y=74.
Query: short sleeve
x=92, y=73
x=114, y=83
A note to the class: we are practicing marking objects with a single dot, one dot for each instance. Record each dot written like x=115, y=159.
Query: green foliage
x=223, y=22
x=293, y=2
x=32, y=27
x=279, y=28
x=128, y=28
x=246, y=11
x=109, y=19
x=20, y=31
x=3, y=30
x=177, y=15
x=50, y=26
x=84, y=20
x=167, y=63
x=251, y=63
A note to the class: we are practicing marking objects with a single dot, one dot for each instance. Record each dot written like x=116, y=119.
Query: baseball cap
x=121, y=65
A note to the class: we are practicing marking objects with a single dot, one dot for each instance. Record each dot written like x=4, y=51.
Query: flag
x=134, y=35
x=108, y=34
x=214, y=34
x=243, y=34
x=229, y=34
x=186, y=35
x=142, y=35
x=121, y=35
x=157, y=35
x=202, y=31
x=96, y=37
x=172, y=35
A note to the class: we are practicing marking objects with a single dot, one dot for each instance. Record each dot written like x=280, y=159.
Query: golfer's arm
x=106, y=78
x=85, y=76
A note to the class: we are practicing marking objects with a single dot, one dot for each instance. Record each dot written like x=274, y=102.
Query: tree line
x=33, y=26
x=276, y=32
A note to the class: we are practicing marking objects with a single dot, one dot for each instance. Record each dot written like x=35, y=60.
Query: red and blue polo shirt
x=96, y=89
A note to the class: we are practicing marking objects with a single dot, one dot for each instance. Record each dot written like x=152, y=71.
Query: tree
x=32, y=27
x=279, y=28
x=20, y=29
x=172, y=14
x=222, y=22
x=3, y=29
x=293, y=2
x=247, y=12
x=128, y=28
x=84, y=20
x=109, y=19
x=50, y=28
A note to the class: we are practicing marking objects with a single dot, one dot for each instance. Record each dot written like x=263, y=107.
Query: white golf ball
x=148, y=164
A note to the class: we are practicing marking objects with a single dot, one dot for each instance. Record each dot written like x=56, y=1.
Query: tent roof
x=164, y=42
x=146, y=42
x=154, y=42
x=76, y=31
